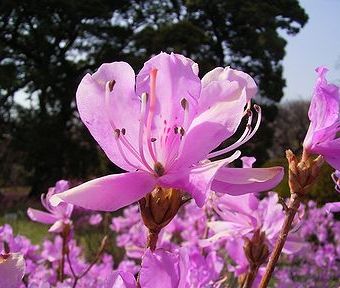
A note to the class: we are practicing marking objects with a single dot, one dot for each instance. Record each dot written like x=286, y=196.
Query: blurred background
x=47, y=46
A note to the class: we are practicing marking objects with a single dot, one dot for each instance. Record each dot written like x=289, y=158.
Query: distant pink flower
x=95, y=219
x=12, y=270
x=161, y=126
x=240, y=217
x=59, y=215
x=324, y=116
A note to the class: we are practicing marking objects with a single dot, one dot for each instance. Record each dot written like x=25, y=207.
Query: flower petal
x=238, y=181
x=197, y=180
x=41, y=216
x=323, y=111
x=217, y=123
x=330, y=151
x=159, y=269
x=108, y=193
x=12, y=270
x=123, y=109
x=228, y=74
x=175, y=80
x=332, y=207
x=57, y=227
x=121, y=279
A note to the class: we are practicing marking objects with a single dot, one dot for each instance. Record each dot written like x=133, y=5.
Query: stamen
x=181, y=130
x=336, y=182
x=184, y=103
x=112, y=83
x=117, y=133
x=123, y=131
x=153, y=75
x=246, y=136
x=120, y=148
x=141, y=131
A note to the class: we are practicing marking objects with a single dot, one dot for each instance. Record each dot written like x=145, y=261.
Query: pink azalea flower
x=241, y=216
x=161, y=127
x=59, y=215
x=324, y=119
x=12, y=270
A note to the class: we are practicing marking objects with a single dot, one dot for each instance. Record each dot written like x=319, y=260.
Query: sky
x=318, y=43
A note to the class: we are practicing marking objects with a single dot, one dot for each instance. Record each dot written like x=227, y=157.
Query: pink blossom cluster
x=199, y=248
x=317, y=264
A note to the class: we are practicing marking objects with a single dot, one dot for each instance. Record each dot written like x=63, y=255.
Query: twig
x=294, y=205
x=250, y=277
x=96, y=259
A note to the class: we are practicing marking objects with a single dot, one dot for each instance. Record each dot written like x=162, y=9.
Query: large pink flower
x=161, y=126
x=324, y=116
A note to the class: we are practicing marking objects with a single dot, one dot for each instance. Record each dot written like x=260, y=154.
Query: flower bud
x=159, y=207
x=302, y=173
x=256, y=249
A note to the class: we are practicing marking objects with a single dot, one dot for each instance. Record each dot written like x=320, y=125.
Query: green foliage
x=36, y=232
x=321, y=192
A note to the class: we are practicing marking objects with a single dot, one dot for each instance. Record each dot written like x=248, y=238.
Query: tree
x=46, y=47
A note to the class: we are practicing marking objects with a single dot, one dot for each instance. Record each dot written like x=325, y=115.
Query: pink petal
x=332, y=207
x=215, y=124
x=57, y=227
x=245, y=204
x=323, y=111
x=238, y=181
x=159, y=269
x=197, y=180
x=108, y=193
x=121, y=279
x=12, y=270
x=123, y=109
x=331, y=152
x=175, y=80
x=225, y=230
x=40, y=216
x=247, y=162
x=294, y=244
x=228, y=74
x=61, y=186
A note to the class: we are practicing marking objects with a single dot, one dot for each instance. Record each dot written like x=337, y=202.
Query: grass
x=23, y=226
x=89, y=238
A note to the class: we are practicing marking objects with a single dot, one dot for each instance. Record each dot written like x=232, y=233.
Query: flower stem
x=294, y=204
x=250, y=277
x=64, y=250
x=96, y=259
x=152, y=240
